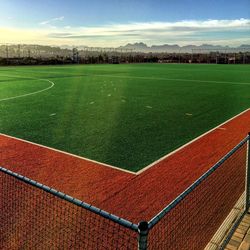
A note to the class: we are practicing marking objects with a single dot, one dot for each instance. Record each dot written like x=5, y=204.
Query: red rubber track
x=133, y=197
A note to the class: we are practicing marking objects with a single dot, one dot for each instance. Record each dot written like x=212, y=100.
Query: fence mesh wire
x=193, y=221
x=31, y=218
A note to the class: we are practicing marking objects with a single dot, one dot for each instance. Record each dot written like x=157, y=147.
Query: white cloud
x=152, y=29
x=227, y=32
x=61, y=18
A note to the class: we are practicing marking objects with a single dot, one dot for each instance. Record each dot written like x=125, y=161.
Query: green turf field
x=124, y=115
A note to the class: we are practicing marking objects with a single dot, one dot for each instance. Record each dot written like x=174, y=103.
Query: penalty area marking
x=52, y=84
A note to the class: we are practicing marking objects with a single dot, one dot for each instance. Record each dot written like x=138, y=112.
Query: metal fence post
x=143, y=235
x=247, y=183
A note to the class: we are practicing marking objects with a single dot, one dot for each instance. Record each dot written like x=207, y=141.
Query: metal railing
x=34, y=215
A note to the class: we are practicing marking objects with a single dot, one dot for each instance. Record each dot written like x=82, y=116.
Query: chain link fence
x=192, y=219
x=34, y=216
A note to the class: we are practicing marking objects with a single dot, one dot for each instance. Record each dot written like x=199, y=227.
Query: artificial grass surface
x=124, y=115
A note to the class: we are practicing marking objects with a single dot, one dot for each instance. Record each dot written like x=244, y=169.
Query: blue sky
x=113, y=22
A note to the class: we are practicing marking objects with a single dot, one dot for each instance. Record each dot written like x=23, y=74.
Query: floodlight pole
x=19, y=51
x=244, y=57
x=7, y=51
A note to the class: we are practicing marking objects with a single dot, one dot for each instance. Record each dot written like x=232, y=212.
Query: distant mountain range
x=135, y=47
x=142, y=47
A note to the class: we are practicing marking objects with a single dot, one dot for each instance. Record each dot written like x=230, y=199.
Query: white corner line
x=69, y=154
x=185, y=145
x=121, y=169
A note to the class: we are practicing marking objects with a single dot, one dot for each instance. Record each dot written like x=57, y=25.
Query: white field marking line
x=185, y=145
x=121, y=169
x=57, y=150
x=66, y=153
x=160, y=159
x=168, y=69
x=18, y=76
x=170, y=79
x=140, y=77
x=43, y=72
x=32, y=93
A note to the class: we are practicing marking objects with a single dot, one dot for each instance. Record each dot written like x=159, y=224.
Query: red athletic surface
x=133, y=197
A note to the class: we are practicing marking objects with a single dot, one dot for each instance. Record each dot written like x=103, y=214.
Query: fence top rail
x=114, y=218
x=72, y=200
x=179, y=198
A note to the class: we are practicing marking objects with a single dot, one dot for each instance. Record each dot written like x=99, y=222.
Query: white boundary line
x=121, y=169
x=57, y=150
x=66, y=153
x=153, y=163
x=32, y=93
x=166, y=79
x=183, y=146
x=138, y=77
